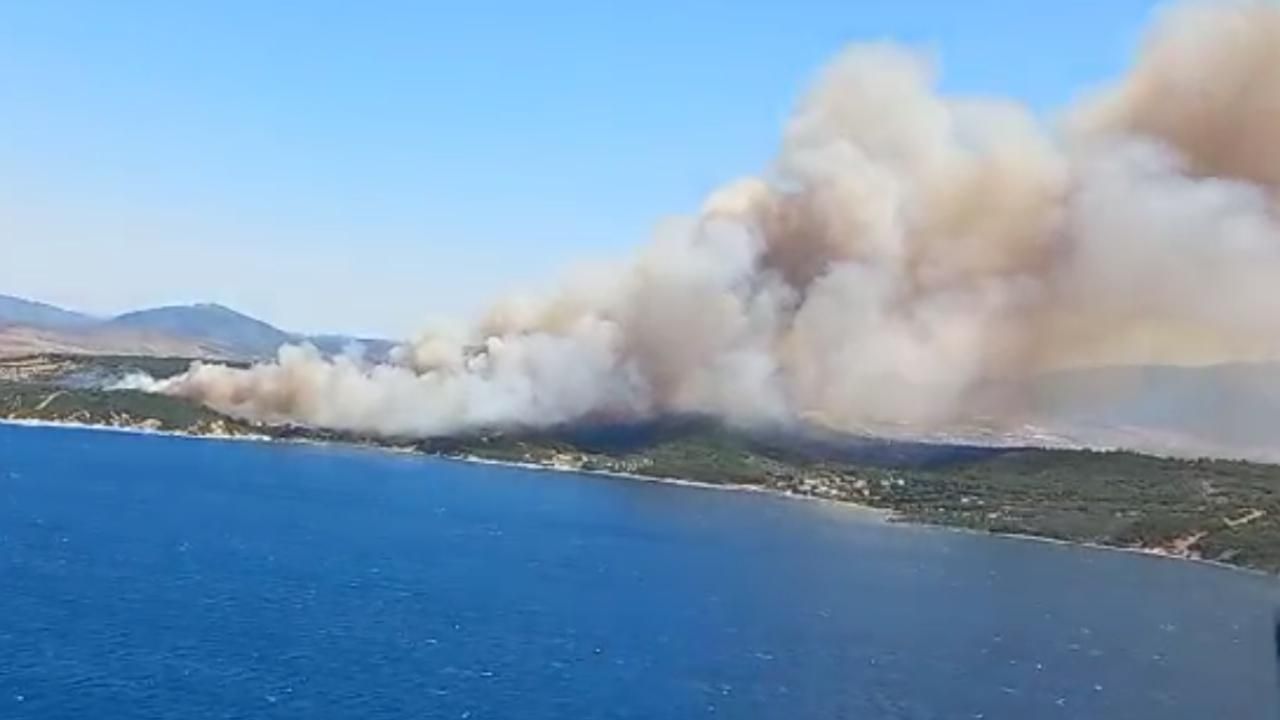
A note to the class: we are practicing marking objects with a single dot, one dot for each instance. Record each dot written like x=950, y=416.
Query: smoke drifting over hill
x=905, y=250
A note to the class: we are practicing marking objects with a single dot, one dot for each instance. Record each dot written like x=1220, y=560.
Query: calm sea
x=152, y=577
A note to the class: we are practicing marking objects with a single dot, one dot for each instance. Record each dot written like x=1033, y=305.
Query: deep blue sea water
x=152, y=577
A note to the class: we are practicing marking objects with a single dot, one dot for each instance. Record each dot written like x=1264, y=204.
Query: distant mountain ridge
x=215, y=324
x=199, y=330
x=30, y=313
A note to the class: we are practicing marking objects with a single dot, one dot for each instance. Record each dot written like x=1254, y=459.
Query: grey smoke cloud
x=904, y=251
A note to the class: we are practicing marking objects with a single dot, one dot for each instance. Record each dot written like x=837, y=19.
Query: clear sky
x=370, y=166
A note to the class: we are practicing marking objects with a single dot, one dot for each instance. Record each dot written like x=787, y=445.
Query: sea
x=149, y=577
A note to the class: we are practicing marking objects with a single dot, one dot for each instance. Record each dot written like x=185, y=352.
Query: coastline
x=885, y=514
x=1156, y=553
x=133, y=430
x=879, y=514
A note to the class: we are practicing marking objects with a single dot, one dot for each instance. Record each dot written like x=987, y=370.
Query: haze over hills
x=202, y=330
x=1233, y=405
x=1223, y=410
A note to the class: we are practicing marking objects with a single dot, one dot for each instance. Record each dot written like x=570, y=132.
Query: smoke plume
x=905, y=251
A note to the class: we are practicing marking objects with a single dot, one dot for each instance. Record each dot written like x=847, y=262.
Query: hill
x=22, y=340
x=235, y=333
x=18, y=311
x=206, y=330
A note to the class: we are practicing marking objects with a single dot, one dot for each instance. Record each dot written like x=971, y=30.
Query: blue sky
x=370, y=167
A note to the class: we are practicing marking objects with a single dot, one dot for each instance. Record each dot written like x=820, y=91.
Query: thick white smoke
x=905, y=250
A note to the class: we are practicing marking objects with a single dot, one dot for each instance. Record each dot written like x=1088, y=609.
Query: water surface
x=153, y=577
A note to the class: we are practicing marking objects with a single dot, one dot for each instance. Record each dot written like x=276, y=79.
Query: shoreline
x=885, y=515
x=132, y=430
x=1154, y=553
